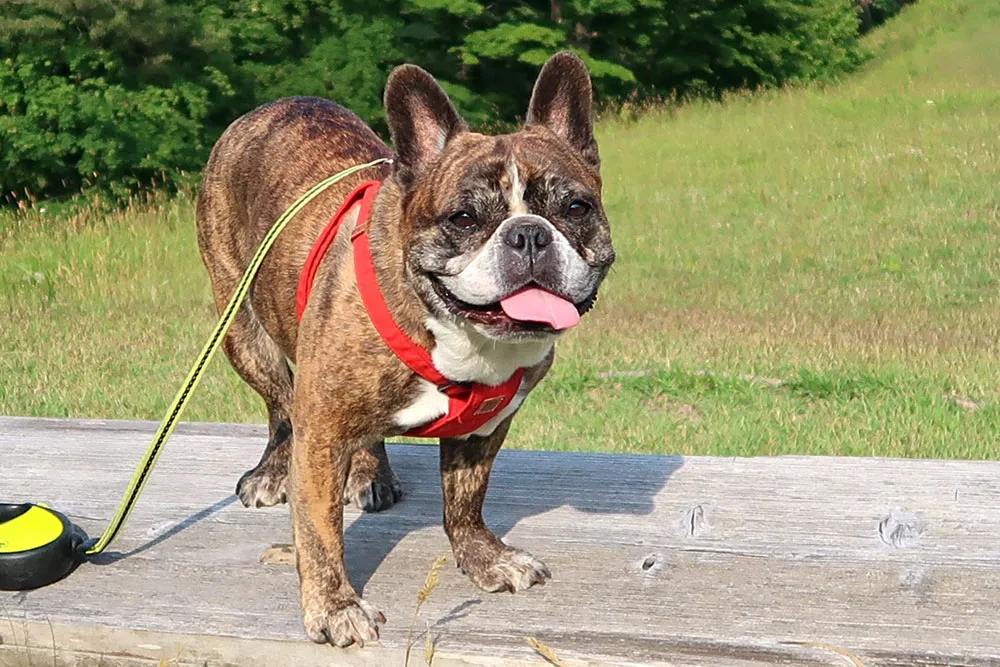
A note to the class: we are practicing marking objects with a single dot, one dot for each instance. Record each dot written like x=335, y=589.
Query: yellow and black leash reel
x=39, y=546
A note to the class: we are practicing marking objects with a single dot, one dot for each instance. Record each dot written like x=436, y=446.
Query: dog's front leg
x=465, y=473
x=321, y=461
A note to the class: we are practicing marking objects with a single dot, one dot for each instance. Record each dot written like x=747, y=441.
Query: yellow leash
x=30, y=531
x=211, y=347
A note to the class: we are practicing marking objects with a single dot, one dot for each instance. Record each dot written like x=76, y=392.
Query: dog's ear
x=562, y=101
x=421, y=120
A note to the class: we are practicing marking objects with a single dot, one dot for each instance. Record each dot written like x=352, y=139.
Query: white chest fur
x=428, y=406
x=462, y=354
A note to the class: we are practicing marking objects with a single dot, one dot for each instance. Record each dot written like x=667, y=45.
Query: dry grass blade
x=166, y=662
x=13, y=630
x=27, y=640
x=855, y=660
x=429, y=645
x=430, y=583
x=52, y=637
x=545, y=652
x=432, y=580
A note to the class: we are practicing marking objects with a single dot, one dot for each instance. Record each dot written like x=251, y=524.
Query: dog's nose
x=528, y=237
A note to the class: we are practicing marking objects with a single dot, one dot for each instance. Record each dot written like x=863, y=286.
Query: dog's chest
x=431, y=404
x=463, y=356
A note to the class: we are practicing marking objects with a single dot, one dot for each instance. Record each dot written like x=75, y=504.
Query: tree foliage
x=118, y=92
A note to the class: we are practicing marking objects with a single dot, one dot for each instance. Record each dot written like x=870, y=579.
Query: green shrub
x=874, y=13
x=115, y=93
x=108, y=92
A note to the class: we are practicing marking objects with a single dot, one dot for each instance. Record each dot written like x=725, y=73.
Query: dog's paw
x=263, y=487
x=354, y=622
x=508, y=570
x=372, y=495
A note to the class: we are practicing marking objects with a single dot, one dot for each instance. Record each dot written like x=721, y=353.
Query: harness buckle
x=359, y=229
x=448, y=389
x=489, y=405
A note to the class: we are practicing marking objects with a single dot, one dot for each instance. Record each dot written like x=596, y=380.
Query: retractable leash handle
x=39, y=546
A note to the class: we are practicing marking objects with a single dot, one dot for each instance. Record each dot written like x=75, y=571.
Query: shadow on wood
x=111, y=556
x=550, y=484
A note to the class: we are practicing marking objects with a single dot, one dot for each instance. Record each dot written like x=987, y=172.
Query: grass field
x=804, y=271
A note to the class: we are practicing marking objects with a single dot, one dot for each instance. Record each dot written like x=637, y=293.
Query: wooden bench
x=657, y=560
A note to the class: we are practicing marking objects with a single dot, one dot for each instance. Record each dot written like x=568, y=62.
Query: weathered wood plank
x=657, y=560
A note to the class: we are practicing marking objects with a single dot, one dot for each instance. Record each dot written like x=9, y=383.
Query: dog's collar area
x=470, y=405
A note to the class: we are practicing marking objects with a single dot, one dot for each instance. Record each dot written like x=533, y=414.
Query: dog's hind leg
x=254, y=355
x=258, y=360
x=372, y=486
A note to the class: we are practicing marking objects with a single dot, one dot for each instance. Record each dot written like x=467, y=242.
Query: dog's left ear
x=422, y=120
x=562, y=101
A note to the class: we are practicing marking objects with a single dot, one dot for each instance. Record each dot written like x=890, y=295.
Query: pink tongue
x=537, y=305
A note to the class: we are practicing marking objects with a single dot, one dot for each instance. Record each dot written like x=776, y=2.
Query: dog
x=482, y=250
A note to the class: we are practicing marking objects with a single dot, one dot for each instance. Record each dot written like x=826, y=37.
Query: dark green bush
x=118, y=92
x=874, y=13
x=109, y=92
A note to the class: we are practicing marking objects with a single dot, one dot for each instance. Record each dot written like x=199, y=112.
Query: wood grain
x=656, y=560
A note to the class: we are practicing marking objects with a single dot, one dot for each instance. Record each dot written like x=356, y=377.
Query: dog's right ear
x=422, y=120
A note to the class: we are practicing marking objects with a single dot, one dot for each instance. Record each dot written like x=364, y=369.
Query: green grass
x=843, y=240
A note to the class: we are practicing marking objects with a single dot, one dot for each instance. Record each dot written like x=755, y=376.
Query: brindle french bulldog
x=485, y=249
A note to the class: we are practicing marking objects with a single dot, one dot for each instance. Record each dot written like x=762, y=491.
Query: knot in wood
x=900, y=529
x=694, y=522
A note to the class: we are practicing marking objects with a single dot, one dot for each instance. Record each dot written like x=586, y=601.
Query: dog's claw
x=262, y=487
x=509, y=570
x=377, y=495
x=345, y=626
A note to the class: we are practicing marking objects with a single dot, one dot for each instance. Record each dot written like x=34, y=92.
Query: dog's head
x=506, y=232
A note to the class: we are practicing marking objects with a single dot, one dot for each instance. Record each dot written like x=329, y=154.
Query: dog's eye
x=462, y=220
x=578, y=209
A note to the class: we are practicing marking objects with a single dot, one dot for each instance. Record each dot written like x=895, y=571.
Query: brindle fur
x=328, y=424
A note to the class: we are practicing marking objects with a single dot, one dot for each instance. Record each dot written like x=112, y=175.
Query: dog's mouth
x=529, y=309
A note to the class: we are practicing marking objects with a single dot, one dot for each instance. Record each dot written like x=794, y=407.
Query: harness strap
x=411, y=354
x=323, y=243
x=470, y=405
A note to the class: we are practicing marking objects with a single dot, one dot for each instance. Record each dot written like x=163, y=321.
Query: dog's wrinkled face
x=501, y=214
x=505, y=232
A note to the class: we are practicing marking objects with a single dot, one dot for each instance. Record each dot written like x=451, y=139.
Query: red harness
x=470, y=405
